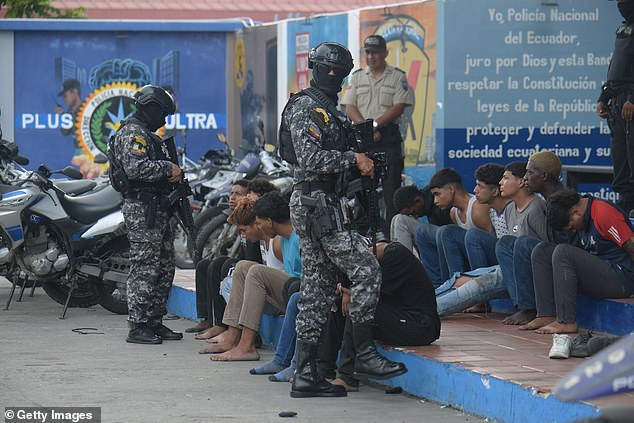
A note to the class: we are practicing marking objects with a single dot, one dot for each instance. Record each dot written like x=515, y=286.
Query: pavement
x=43, y=362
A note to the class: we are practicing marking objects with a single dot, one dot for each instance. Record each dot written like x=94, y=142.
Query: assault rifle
x=361, y=137
x=179, y=199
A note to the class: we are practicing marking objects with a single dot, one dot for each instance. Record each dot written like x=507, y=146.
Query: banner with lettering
x=516, y=78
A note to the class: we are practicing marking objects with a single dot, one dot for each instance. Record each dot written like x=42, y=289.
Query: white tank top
x=469, y=223
x=268, y=256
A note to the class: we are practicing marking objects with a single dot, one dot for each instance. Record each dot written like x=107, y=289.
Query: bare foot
x=479, y=308
x=201, y=326
x=461, y=280
x=222, y=337
x=349, y=388
x=537, y=323
x=217, y=348
x=236, y=354
x=556, y=327
x=522, y=317
x=210, y=332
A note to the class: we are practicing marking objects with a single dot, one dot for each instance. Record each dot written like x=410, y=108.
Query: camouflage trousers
x=324, y=263
x=152, y=263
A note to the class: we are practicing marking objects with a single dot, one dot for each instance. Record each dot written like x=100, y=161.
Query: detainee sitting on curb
x=255, y=284
x=524, y=216
x=211, y=276
x=602, y=268
x=442, y=249
x=413, y=204
x=243, y=217
x=405, y=314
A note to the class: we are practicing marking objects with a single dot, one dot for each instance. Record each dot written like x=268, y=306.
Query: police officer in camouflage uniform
x=381, y=92
x=616, y=103
x=148, y=176
x=320, y=145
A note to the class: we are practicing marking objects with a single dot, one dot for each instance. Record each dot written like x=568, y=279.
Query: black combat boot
x=307, y=381
x=141, y=333
x=369, y=363
x=164, y=332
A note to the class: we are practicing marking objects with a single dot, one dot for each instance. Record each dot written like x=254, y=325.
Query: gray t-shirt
x=531, y=221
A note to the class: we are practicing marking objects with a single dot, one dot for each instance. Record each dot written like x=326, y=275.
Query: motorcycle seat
x=90, y=207
x=75, y=187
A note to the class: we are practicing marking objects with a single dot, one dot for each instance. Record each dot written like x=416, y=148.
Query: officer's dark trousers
x=152, y=263
x=622, y=155
x=392, y=181
x=210, y=305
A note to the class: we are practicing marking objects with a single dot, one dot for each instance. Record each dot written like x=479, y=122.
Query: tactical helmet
x=331, y=54
x=152, y=94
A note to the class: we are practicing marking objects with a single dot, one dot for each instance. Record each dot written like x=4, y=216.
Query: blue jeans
x=225, y=287
x=428, y=251
x=442, y=251
x=514, y=256
x=480, y=246
x=486, y=285
x=288, y=337
x=451, y=250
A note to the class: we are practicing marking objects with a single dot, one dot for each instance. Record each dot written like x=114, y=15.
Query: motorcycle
x=68, y=236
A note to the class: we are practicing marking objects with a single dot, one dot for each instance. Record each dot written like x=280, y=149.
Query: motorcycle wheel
x=215, y=239
x=84, y=295
x=182, y=256
x=112, y=297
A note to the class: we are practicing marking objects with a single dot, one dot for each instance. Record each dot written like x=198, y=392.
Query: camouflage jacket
x=314, y=132
x=141, y=154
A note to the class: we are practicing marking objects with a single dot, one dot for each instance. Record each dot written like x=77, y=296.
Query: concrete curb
x=444, y=383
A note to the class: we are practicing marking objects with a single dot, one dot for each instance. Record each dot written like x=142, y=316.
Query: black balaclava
x=152, y=115
x=329, y=84
x=627, y=10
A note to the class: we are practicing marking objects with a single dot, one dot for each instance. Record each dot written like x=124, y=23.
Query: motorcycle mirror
x=71, y=172
x=269, y=148
x=100, y=159
x=21, y=160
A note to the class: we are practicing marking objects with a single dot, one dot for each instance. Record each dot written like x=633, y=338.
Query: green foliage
x=38, y=9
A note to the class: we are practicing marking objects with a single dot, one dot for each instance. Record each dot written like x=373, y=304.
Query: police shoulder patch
x=320, y=117
x=139, y=147
x=313, y=133
x=140, y=140
x=404, y=84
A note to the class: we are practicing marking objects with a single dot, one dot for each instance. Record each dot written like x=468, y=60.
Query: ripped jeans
x=487, y=284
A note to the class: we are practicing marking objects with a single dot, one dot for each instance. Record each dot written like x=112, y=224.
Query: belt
x=310, y=186
x=146, y=196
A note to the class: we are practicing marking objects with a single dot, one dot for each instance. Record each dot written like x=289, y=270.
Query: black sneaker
x=579, y=346
x=598, y=343
x=164, y=332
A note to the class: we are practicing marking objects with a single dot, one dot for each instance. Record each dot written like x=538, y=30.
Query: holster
x=153, y=202
x=324, y=218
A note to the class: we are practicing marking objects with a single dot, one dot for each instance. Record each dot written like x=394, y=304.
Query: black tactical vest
x=339, y=143
x=622, y=63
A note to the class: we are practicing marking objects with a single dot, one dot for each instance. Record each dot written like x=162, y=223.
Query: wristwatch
x=375, y=124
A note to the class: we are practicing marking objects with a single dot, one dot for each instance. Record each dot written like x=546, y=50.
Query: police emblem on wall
x=101, y=115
